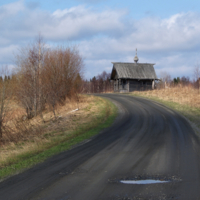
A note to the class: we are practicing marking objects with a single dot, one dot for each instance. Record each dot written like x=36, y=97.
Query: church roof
x=133, y=71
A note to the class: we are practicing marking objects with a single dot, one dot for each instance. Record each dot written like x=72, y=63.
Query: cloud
x=104, y=36
x=79, y=22
x=17, y=21
x=10, y=10
x=180, y=31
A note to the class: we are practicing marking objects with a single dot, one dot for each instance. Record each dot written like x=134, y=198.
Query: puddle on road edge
x=148, y=181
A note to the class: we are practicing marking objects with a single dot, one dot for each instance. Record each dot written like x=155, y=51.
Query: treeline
x=167, y=81
x=99, y=84
x=177, y=81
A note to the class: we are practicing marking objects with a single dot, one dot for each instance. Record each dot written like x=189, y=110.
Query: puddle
x=148, y=181
x=145, y=179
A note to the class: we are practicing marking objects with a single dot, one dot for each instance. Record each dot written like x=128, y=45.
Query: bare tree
x=185, y=80
x=30, y=63
x=52, y=79
x=165, y=78
x=100, y=83
x=61, y=74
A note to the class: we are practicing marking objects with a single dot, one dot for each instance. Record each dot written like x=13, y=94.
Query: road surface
x=147, y=141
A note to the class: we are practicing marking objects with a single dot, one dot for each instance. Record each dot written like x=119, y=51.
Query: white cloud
x=18, y=22
x=11, y=9
x=105, y=36
x=79, y=22
x=154, y=35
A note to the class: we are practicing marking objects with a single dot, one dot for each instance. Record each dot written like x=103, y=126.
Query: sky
x=165, y=32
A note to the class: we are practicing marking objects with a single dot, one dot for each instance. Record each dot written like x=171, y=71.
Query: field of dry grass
x=182, y=95
x=39, y=136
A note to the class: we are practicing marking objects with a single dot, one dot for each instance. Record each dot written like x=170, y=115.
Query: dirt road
x=147, y=141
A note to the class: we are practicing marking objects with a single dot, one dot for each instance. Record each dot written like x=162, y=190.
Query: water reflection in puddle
x=148, y=181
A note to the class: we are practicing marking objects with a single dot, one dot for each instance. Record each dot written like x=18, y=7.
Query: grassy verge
x=190, y=112
x=102, y=118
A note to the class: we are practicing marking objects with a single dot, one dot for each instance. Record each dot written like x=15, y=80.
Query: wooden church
x=135, y=76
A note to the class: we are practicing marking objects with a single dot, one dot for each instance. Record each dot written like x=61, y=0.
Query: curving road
x=147, y=141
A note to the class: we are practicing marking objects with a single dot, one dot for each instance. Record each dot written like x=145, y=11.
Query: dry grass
x=14, y=111
x=35, y=133
x=182, y=95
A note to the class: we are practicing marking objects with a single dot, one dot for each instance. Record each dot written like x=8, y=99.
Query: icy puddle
x=148, y=181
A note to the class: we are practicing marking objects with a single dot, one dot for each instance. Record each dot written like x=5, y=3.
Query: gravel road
x=146, y=141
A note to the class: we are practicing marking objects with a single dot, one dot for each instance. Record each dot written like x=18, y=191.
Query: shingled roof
x=133, y=71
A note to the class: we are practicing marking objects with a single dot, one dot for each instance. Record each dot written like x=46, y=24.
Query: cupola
x=136, y=58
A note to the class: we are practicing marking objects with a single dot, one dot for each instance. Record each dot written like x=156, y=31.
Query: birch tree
x=30, y=65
